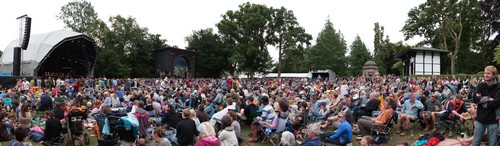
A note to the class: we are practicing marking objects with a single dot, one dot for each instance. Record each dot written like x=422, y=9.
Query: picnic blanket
x=453, y=142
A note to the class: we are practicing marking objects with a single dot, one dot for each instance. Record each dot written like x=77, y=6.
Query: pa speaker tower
x=26, y=33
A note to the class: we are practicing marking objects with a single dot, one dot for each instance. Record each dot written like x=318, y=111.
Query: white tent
x=60, y=50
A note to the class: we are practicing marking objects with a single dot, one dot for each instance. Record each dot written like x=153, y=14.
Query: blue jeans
x=170, y=136
x=479, y=131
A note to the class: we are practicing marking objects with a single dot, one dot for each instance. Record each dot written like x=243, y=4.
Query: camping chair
x=298, y=130
x=417, y=122
x=383, y=130
x=270, y=134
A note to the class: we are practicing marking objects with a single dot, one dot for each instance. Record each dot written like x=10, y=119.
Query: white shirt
x=26, y=85
x=343, y=91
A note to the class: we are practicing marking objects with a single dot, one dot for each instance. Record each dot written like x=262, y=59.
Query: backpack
x=35, y=136
x=379, y=139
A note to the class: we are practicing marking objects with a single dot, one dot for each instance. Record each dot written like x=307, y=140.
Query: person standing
x=488, y=99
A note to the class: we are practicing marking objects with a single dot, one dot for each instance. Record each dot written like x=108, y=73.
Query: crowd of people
x=211, y=112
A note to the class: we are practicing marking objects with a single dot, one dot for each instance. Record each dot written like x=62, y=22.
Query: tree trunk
x=453, y=59
x=279, y=62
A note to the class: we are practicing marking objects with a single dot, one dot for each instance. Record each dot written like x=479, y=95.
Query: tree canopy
x=125, y=48
x=358, y=57
x=468, y=29
x=451, y=25
x=329, y=51
x=211, y=58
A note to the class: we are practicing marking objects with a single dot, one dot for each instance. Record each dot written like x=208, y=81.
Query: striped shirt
x=268, y=114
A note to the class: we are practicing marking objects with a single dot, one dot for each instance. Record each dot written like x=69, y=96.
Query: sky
x=176, y=19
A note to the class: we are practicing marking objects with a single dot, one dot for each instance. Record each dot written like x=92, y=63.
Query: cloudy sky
x=176, y=19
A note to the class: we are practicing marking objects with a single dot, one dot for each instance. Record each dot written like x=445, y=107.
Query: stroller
x=118, y=131
x=76, y=133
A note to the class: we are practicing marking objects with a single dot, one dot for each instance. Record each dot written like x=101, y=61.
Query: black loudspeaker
x=27, y=31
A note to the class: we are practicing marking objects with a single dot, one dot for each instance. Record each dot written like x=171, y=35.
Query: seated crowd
x=212, y=112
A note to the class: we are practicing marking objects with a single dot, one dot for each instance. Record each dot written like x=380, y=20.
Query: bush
x=461, y=76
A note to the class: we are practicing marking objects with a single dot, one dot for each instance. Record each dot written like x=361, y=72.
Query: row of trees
x=244, y=36
x=125, y=48
x=467, y=28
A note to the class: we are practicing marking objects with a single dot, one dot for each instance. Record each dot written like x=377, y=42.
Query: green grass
x=245, y=131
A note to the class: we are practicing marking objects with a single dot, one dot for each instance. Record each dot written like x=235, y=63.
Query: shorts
x=426, y=114
x=412, y=117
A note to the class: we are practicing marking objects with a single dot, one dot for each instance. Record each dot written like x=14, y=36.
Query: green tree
x=386, y=52
x=246, y=33
x=399, y=66
x=110, y=59
x=125, y=48
x=211, y=56
x=490, y=27
x=449, y=24
x=80, y=16
x=137, y=45
x=497, y=55
x=289, y=38
x=358, y=57
x=329, y=51
x=382, y=54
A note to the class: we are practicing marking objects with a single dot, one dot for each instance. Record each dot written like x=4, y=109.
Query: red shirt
x=229, y=82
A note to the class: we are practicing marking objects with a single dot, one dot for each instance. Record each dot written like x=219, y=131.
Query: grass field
x=246, y=130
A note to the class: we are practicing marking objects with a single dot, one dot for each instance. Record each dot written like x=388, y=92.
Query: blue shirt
x=119, y=93
x=344, y=131
x=315, y=108
x=407, y=107
x=218, y=98
x=224, y=84
x=210, y=110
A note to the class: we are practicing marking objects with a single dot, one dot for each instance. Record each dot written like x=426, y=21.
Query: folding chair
x=270, y=135
x=298, y=130
x=384, y=130
x=417, y=122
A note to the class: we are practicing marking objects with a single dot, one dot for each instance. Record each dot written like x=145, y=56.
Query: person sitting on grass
x=159, y=138
x=169, y=117
x=207, y=135
x=186, y=130
x=343, y=135
x=53, y=128
x=4, y=127
x=236, y=125
x=227, y=136
x=366, y=141
x=21, y=135
x=287, y=139
x=313, y=131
